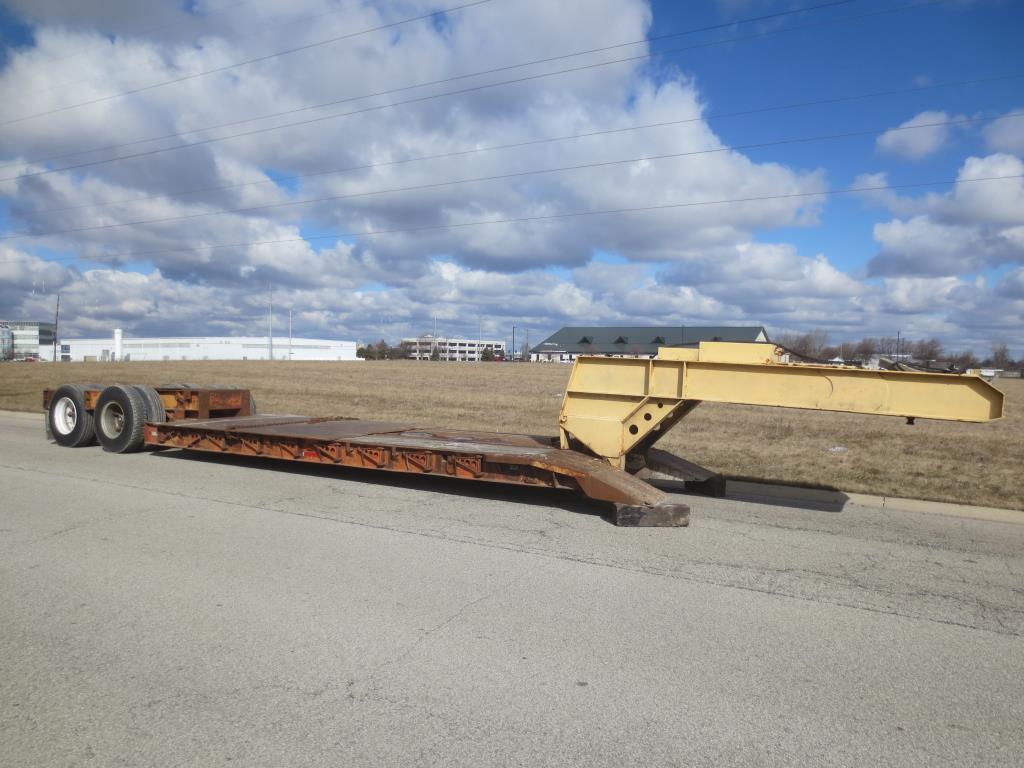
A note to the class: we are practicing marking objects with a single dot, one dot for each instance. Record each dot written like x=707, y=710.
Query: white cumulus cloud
x=920, y=136
x=1006, y=133
x=977, y=225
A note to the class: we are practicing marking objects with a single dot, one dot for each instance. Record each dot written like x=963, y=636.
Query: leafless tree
x=811, y=344
x=848, y=351
x=926, y=350
x=1001, y=356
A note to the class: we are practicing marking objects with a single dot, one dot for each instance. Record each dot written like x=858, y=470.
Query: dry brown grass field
x=944, y=461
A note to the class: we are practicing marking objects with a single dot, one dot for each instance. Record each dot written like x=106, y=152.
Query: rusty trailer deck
x=524, y=460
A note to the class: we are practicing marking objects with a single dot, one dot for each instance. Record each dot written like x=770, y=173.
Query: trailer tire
x=71, y=424
x=120, y=418
x=154, y=405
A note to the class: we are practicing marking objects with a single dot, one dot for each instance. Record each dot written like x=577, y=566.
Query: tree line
x=384, y=351
x=815, y=345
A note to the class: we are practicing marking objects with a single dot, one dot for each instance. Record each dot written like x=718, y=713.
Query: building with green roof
x=635, y=341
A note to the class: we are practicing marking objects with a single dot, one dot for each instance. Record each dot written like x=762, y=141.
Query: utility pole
x=526, y=357
x=289, y=335
x=513, y=343
x=270, y=323
x=56, y=327
x=897, y=346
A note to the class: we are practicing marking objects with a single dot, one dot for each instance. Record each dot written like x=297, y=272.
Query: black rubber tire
x=75, y=429
x=120, y=403
x=155, y=412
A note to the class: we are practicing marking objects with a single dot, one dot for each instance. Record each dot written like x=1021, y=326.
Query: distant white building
x=29, y=339
x=464, y=350
x=203, y=348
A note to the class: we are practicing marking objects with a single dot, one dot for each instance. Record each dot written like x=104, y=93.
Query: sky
x=856, y=167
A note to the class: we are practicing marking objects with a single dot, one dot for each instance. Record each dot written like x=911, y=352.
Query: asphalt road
x=157, y=610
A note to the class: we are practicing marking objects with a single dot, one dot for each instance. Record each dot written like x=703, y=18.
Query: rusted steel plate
x=329, y=429
x=491, y=438
x=600, y=480
x=452, y=443
x=296, y=426
x=242, y=422
x=395, y=447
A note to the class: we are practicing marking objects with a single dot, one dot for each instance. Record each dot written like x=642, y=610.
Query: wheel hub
x=112, y=419
x=65, y=416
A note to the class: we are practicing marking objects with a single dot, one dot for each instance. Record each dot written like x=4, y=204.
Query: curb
x=836, y=500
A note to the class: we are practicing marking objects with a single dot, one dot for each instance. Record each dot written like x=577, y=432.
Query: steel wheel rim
x=65, y=416
x=112, y=419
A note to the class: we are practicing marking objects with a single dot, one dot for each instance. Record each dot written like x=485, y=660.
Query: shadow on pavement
x=795, y=497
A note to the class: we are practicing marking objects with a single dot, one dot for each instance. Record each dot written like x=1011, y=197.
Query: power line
x=504, y=176
x=420, y=99
x=228, y=67
x=523, y=219
x=545, y=140
x=440, y=81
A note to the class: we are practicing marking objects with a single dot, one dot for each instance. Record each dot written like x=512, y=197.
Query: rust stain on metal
x=489, y=457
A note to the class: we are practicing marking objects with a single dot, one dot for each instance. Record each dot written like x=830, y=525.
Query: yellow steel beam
x=612, y=405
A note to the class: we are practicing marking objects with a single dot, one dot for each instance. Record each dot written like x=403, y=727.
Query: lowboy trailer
x=613, y=413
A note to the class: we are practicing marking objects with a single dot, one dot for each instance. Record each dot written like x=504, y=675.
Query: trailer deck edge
x=524, y=460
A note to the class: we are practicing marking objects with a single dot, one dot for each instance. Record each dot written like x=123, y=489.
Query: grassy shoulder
x=942, y=461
